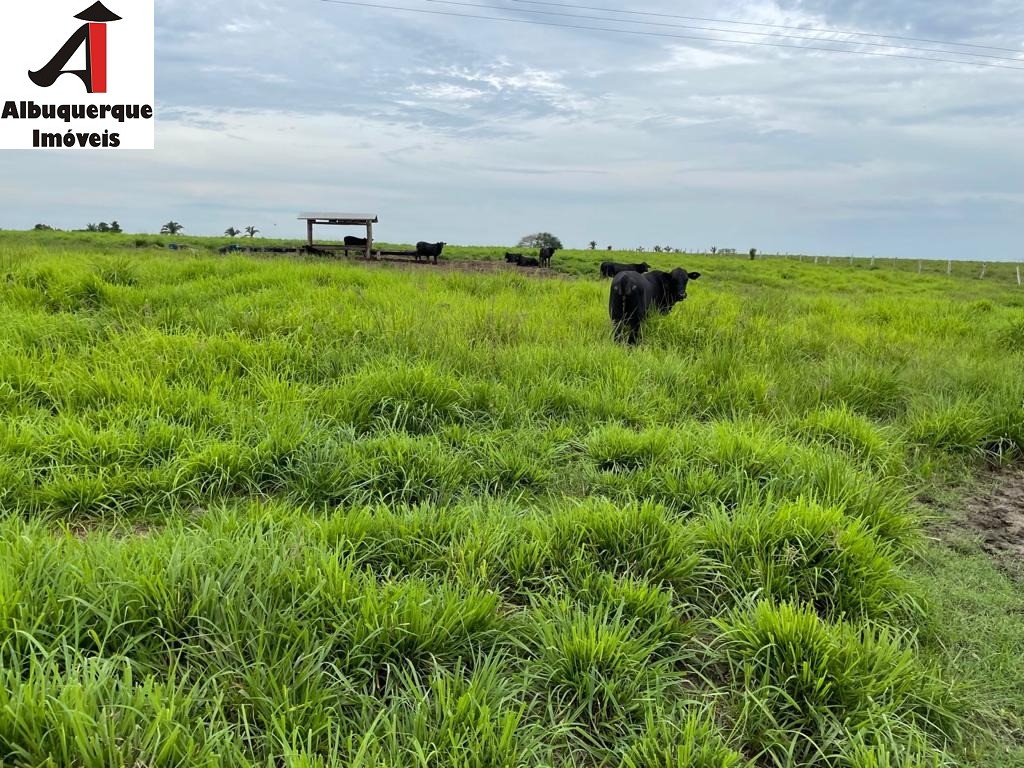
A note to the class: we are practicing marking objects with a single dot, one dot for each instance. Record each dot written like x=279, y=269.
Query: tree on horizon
x=540, y=240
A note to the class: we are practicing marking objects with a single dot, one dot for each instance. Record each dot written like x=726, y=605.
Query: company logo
x=94, y=37
x=110, y=54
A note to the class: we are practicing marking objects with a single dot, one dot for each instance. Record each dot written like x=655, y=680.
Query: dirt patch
x=463, y=265
x=998, y=517
x=988, y=516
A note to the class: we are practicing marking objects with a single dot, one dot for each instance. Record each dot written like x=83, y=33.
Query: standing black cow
x=612, y=268
x=513, y=258
x=545, y=256
x=351, y=240
x=633, y=295
x=429, y=250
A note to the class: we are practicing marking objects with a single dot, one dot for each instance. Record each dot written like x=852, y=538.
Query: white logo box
x=96, y=51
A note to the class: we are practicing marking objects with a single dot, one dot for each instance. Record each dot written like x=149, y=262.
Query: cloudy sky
x=478, y=132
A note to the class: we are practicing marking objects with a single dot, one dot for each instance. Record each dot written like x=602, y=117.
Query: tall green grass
x=261, y=511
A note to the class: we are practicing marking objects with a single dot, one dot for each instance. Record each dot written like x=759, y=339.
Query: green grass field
x=289, y=512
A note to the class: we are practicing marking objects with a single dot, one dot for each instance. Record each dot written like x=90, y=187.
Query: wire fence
x=1001, y=271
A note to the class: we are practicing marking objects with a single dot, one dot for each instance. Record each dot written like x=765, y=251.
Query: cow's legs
x=634, y=330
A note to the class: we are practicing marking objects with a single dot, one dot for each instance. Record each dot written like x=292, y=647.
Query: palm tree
x=593, y=245
x=251, y=231
x=91, y=228
x=232, y=232
x=171, y=228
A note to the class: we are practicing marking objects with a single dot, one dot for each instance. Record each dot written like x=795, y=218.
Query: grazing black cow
x=633, y=295
x=527, y=261
x=612, y=268
x=513, y=258
x=351, y=240
x=545, y=256
x=429, y=250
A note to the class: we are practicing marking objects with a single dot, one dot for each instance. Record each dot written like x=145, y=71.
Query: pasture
x=289, y=512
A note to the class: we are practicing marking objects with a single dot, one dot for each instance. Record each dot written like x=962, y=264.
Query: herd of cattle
x=543, y=258
x=636, y=290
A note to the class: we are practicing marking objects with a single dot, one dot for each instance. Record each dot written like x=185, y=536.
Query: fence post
x=983, y=268
x=828, y=259
x=1018, y=274
x=949, y=267
x=815, y=259
x=872, y=261
x=919, y=266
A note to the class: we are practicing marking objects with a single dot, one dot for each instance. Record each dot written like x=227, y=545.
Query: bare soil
x=990, y=517
x=998, y=517
x=465, y=265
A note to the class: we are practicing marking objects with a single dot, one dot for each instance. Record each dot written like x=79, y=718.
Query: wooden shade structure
x=341, y=219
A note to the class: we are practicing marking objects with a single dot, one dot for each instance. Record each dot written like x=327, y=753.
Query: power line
x=643, y=33
x=762, y=24
x=732, y=31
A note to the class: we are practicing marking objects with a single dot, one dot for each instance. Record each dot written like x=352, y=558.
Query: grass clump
x=811, y=687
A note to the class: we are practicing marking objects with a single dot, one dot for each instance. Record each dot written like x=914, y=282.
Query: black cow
x=527, y=261
x=513, y=258
x=612, y=268
x=545, y=256
x=633, y=295
x=351, y=240
x=429, y=250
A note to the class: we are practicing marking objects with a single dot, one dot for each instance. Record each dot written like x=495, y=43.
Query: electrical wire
x=763, y=24
x=729, y=31
x=644, y=33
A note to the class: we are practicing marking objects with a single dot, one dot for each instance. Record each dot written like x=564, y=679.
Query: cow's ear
x=693, y=275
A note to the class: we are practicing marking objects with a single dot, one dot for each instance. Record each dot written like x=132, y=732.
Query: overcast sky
x=478, y=132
